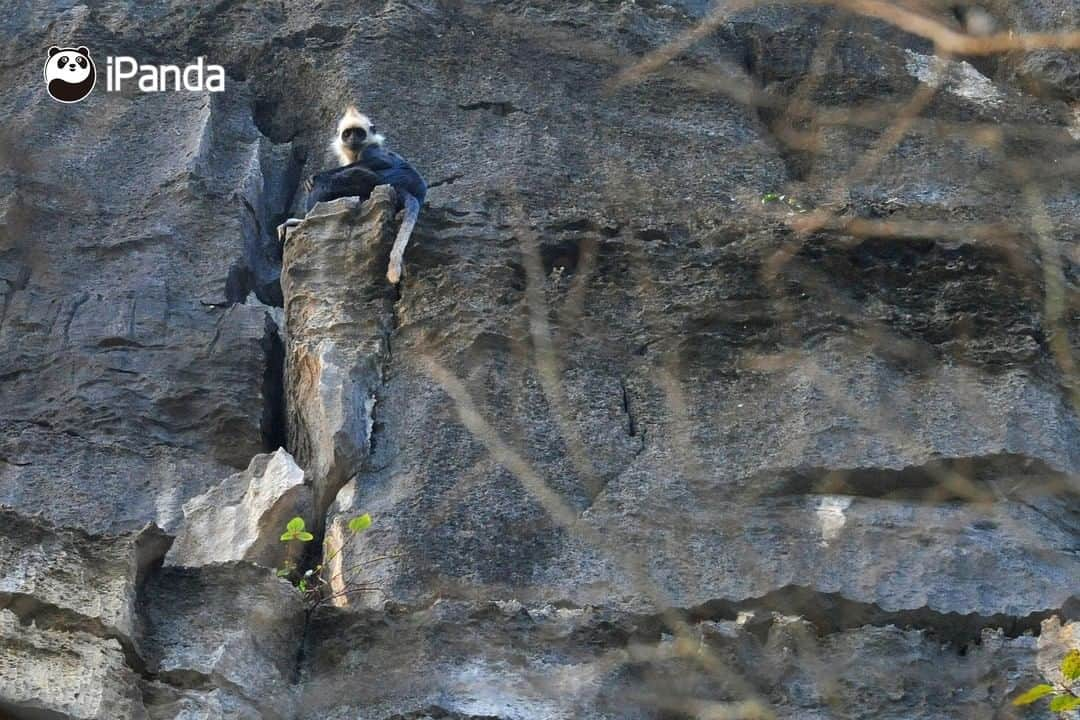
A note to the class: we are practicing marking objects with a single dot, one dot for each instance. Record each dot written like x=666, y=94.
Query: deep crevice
x=19, y=711
x=47, y=616
x=831, y=613
x=238, y=283
x=826, y=613
x=258, y=269
x=296, y=673
x=501, y=108
x=976, y=478
x=272, y=424
x=563, y=255
x=631, y=421
x=449, y=180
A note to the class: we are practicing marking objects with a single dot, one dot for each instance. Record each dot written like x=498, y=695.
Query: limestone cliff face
x=638, y=441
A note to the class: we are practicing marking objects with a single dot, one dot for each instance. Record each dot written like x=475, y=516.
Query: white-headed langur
x=365, y=164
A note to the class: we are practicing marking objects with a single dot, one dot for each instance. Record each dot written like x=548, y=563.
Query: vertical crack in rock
x=337, y=309
x=369, y=410
x=631, y=422
x=273, y=386
x=339, y=316
x=634, y=429
x=265, y=200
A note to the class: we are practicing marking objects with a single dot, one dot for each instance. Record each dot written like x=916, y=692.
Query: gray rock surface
x=83, y=581
x=46, y=673
x=504, y=660
x=230, y=626
x=640, y=439
x=244, y=516
x=132, y=382
x=166, y=701
x=1048, y=72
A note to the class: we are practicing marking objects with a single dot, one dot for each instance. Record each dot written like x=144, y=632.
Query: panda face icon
x=70, y=74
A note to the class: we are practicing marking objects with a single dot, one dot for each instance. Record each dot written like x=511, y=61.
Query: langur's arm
x=341, y=182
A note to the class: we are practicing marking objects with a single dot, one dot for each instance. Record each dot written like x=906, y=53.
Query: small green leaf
x=304, y=536
x=1064, y=703
x=283, y=572
x=1070, y=666
x=302, y=585
x=295, y=525
x=361, y=523
x=1033, y=694
x=769, y=197
x=287, y=536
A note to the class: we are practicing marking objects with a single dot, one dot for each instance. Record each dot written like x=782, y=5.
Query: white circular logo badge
x=70, y=74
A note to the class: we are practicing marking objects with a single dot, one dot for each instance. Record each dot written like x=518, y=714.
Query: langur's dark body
x=376, y=166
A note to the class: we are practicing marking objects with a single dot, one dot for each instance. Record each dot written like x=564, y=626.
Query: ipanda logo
x=70, y=75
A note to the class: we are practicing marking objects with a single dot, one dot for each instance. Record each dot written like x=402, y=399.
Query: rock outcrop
x=71, y=630
x=338, y=320
x=737, y=385
x=242, y=519
x=50, y=575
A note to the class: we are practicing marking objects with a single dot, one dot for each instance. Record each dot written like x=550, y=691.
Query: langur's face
x=355, y=132
x=355, y=138
x=357, y=135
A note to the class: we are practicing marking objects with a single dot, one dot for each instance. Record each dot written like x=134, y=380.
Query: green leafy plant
x=1062, y=696
x=773, y=197
x=319, y=584
x=295, y=531
x=360, y=523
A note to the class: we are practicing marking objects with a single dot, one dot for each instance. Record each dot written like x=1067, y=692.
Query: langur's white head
x=355, y=131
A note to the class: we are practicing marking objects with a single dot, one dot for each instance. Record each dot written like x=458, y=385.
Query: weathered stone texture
x=338, y=321
x=64, y=674
x=641, y=438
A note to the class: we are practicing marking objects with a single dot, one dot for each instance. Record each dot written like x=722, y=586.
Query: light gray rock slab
x=243, y=517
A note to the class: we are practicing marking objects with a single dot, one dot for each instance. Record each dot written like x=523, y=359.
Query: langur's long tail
x=397, y=253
